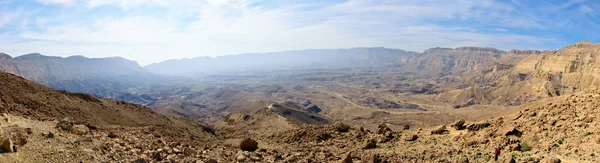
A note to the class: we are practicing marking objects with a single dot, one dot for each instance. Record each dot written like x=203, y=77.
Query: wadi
x=366, y=105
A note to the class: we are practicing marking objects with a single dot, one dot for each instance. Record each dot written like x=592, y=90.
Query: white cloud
x=58, y=2
x=220, y=27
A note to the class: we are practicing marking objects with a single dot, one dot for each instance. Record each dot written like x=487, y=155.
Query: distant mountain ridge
x=302, y=59
x=104, y=77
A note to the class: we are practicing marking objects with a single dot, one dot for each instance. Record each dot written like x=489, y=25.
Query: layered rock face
x=571, y=69
x=460, y=60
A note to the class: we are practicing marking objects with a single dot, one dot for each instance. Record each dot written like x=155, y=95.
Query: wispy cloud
x=154, y=30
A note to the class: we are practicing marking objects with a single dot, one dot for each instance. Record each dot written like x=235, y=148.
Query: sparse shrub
x=588, y=134
x=525, y=147
x=561, y=141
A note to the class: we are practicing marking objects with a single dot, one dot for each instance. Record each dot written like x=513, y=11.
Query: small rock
x=255, y=158
x=551, y=160
x=463, y=159
x=370, y=144
x=370, y=158
x=141, y=160
x=188, y=151
x=241, y=158
x=588, y=119
x=290, y=158
x=112, y=135
x=248, y=144
x=347, y=158
x=406, y=127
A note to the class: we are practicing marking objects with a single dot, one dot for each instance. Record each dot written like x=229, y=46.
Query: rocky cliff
x=105, y=77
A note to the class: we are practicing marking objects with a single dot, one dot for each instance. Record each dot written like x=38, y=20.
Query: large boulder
x=440, y=130
x=16, y=134
x=411, y=137
x=509, y=130
x=459, y=124
x=65, y=125
x=248, y=145
x=341, y=127
x=478, y=126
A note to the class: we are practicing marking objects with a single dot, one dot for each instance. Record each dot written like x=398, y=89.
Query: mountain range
x=299, y=59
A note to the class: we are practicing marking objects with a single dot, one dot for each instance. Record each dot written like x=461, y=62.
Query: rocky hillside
x=300, y=59
x=462, y=60
x=547, y=74
x=104, y=77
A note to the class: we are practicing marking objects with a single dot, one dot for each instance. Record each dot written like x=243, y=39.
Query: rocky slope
x=105, y=77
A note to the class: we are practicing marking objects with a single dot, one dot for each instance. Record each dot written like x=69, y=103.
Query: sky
x=150, y=31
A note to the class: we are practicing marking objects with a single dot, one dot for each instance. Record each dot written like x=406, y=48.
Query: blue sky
x=150, y=31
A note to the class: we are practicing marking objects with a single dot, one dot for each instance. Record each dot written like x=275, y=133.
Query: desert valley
x=320, y=105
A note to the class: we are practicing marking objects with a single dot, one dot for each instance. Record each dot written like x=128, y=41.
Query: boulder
x=406, y=127
x=112, y=135
x=189, y=151
x=48, y=134
x=478, y=126
x=370, y=144
x=440, y=130
x=248, y=145
x=17, y=135
x=551, y=160
x=341, y=127
x=7, y=145
x=459, y=124
x=506, y=131
x=80, y=129
x=382, y=128
x=411, y=137
x=64, y=125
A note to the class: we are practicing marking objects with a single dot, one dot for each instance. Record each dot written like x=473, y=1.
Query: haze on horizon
x=150, y=31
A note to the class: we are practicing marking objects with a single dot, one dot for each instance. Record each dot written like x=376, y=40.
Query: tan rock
x=341, y=127
x=7, y=145
x=347, y=158
x=80, y=129
x=370, y=144
x=439, y=130
x=64, y=125
x=459, y=124
x=412, y=137
x=369, y=157
x=248, y=144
